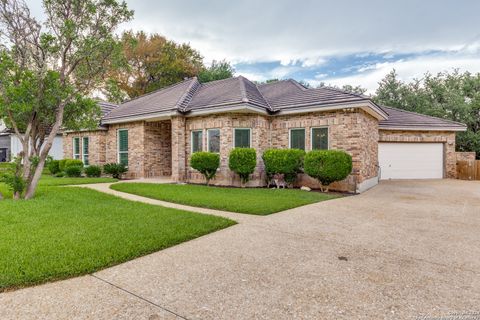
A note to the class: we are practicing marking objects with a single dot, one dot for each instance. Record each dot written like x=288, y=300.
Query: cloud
x=407, y=69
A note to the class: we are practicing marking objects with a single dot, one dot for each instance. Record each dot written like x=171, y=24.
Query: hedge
x=288, y=162
x=328, y=166
x=206, y=163
x=243, y=161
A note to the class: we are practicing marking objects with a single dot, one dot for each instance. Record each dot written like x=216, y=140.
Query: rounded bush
x=288, y=162
x=93, y=171
x=73, y=163
x=73, y=171
x=328, y=166
x=54, y=167
x=243, y=161
x=116, y=170
x=61, y=164
x=206, y=163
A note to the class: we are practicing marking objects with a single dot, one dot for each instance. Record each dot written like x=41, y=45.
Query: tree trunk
x=32, y=186
x=16, y=195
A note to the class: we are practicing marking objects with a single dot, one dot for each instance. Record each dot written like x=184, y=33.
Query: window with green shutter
x=76, y=148
x=123, y=146
x=242, y=138
x=197, y=141
x=297, y=138
x=85, y=151
x=319, y=138
x=213, y=137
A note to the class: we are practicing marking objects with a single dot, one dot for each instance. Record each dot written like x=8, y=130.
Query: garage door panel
x=410, y=160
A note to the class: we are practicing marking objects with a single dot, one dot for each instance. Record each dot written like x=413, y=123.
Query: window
x=197, y=141
x=319, y=138
x=213, y=137
x=242, y=138
x=85, y=151
x=76, y=148
x=123, y=146
x=297, y=139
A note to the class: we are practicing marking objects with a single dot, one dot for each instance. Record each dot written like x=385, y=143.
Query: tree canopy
x=452, y=96
x=48, y=68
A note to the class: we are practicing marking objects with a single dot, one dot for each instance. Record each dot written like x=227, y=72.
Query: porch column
x=178, y=149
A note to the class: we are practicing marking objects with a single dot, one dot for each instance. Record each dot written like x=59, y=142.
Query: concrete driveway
x=412, y=248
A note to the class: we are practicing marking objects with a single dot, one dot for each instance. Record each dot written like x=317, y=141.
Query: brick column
x=178, y=149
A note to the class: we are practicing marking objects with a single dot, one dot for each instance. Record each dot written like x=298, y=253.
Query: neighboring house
x=155, y=134
x=10, y=146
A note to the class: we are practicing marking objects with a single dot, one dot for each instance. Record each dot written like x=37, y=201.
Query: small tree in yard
x=206, y=163
x=328, y=166
x=243, y=161
x=287, y=162
x=13, y=178
x=48, y=69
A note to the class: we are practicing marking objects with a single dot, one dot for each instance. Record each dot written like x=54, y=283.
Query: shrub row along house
x=156, y=134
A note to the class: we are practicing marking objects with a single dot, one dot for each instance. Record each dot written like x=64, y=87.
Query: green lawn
x=68, y=231
x=48, y=180
x=243, y=200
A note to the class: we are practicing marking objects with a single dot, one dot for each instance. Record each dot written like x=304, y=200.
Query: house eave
x=421, y=128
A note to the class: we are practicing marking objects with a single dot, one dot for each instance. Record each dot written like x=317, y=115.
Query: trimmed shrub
x=93, y=171
x=61, y=164
x=73, y=163
x=243, y=161
x=206, y=163
x=288, y=162
x=328, y=166
x=116, y=170
x=54, y=167
x=60, y=174
x=73, y=171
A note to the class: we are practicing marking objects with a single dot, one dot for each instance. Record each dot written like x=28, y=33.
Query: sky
x=335, y=42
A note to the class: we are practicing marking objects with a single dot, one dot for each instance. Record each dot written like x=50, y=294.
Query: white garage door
x=410, y=160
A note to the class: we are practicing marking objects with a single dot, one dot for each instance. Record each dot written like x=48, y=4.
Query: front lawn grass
x=48, y=180
x=67, y=231
x=243, y=200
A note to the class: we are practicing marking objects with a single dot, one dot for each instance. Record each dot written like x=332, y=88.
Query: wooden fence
x=468, y=170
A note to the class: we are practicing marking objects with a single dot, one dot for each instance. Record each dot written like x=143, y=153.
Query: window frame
x=191, y=140
x=118, y=146
x=304, y=138
x=328, y=137
x=249, y=136
x=77, y=156
x=219, y=140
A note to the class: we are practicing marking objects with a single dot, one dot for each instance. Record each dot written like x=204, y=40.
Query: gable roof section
x=399, y=119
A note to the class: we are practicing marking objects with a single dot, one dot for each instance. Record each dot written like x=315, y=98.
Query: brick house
x=156, y=134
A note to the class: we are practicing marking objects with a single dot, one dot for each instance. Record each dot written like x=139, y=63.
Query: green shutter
x=297, y=139
x=85, y=151
x=242, y=138
x=123, y=140
x=76, y=148
x=319, y=138
x=123, y=146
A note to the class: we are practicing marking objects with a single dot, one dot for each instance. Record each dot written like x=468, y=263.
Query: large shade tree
x=47, y=68
x=448, y=95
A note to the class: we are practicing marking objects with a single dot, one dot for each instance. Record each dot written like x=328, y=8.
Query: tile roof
x=191, y=95
x=398, y=118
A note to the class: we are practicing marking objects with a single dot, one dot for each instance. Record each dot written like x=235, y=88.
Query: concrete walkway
x=398, y=251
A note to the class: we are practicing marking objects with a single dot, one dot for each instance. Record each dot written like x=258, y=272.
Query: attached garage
x=411, y=160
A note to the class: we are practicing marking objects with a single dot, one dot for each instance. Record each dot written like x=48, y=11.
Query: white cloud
x=407, y=70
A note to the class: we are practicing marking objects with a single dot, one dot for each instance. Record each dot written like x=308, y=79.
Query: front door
x=3, y=155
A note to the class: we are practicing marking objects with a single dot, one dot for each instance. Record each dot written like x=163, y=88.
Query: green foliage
x=54, y=166
x=61, y=164
x=12, y=177
x=451, y=96
x=258, y=201
x=206, y=163
x=243, y=161
x=328, y=166
x=73, y=163
x=288, y=162
x=116, y=170
x=59, y=174
x=93, y=171
x=73, y=171
x=218, y=70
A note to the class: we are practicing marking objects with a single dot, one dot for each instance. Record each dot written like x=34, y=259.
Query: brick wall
x=447, y=138
x=96, y=145
x=158, y=149
x=465, y=156
x=260, y=140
